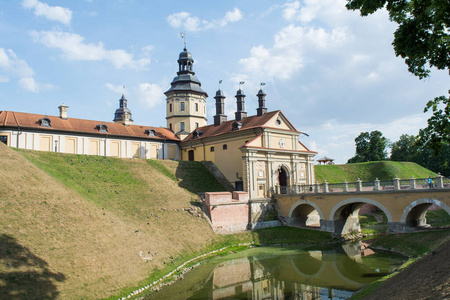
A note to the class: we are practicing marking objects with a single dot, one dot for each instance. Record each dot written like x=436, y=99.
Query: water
x=283, y=273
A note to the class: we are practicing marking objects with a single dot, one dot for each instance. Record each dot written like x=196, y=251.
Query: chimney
x=219, y=118
x=240, y=113
x=261, y=110
x=63, y=111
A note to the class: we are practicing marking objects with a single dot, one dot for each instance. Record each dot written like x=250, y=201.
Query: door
x=191, y=155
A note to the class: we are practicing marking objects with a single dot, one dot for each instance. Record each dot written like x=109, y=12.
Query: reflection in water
x=283, y=273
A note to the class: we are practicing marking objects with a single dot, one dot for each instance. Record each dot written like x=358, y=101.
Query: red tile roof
x=226, y=127
x=71, y=125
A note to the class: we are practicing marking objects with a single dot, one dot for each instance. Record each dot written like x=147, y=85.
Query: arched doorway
x=191, y=155
x=282, y=180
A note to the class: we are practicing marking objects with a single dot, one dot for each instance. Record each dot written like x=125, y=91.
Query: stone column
x=358, y=185
x=345, y=185
x=377, y=185
x=317, y=188
x=325, y=187
x=396, y=183
x=439, y=181
x=412, y=183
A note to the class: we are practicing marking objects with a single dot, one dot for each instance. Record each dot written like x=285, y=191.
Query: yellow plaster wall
x=71, y=145
x=275, y=141
x=273, y=122
x=45, y=142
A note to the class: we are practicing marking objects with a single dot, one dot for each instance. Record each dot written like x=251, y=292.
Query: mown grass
x=438, y=218
x=383, y=170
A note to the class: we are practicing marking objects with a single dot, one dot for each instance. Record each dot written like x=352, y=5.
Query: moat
x=284, y=273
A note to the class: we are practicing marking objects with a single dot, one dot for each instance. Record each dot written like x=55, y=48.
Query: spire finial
x=123, y=90
x=241, y=83
x=220, y=82
x=183, y=36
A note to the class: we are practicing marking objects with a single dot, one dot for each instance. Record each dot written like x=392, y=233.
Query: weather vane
x=241, y=83
x=123, y=90
x=183, y=36
x=220, y=81
x=262, y=84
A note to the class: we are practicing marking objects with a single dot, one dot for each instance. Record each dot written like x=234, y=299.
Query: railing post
x=325, y=186
x=359, y=185
x=396, y=183
x=345, y=185
x=412, y=183
x=277, y=189
x=439, y=181
x=317, y=187
x=377, y=185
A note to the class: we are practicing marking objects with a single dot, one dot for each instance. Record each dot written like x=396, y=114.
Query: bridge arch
x=345, y=214
x=414, y=214
x=305, y=213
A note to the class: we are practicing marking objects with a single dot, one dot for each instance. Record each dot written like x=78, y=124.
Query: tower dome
x=123, y=113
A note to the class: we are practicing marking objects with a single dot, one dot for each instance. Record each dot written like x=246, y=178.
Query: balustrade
x=396, y=183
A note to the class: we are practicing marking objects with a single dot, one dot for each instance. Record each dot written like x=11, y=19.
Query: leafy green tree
x=422, y=37
x=423, y=40
x=438, y=129
x=405, y=149
x=370, y=147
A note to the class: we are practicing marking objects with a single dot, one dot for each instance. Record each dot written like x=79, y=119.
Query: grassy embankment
x=383, y=170
x=75, y=226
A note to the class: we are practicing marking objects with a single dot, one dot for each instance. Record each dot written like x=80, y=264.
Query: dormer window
x=102, y=128
x=197, y=134
x=45, y=122
x=237, y=125
x=150, y=132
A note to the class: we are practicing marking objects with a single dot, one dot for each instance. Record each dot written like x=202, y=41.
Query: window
x=196, y=106
x=196, y=125
x=4, y=139
x=170, y=107
x=278, y=122
x=182, y=126
x=211, y=149
x=170, y=126
x=225, y=147
x=182, y=106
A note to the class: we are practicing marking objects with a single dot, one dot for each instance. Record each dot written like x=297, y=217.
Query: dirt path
x=428, y=278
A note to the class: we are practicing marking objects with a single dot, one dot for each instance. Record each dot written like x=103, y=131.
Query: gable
x=279, y=121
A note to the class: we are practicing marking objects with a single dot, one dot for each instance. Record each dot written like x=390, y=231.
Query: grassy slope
x=383, y=170
x=79, y=232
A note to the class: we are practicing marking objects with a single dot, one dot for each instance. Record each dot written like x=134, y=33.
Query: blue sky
x=333, y=73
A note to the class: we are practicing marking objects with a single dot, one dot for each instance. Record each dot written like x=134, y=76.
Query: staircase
x=219, y=176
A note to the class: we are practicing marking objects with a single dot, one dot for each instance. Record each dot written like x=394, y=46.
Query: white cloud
x=12, y=66
x=29, y=84
x=150, y=94
x=291, y=47
x=53, y=13
x=114, y=88
x=189, y=22
x=73, y=48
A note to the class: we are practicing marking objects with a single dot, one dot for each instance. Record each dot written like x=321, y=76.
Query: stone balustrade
x=438, y=182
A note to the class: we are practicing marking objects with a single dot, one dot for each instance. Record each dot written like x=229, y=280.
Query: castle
x=259, y=154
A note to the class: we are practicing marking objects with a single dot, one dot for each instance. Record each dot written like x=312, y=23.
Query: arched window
x=211, y=149
x=170, y=107
x=182, y=106
x=225, y=147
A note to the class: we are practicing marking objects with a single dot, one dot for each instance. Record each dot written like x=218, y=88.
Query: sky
x=333, y=73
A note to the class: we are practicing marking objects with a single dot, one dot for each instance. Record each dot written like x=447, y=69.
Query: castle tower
x=123, y=113
x=186, y=101
x=261, y=103
x=240, y=112
x=220, y=116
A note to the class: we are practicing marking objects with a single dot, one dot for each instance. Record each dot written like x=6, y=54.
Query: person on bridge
x=430, y=182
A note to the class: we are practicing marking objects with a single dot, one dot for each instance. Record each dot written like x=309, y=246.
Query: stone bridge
x=335, y=208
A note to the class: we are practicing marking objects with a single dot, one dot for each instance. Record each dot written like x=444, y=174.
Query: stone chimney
x=261, y=110
x=240, y=113
x=63, y=111
x=220, y=117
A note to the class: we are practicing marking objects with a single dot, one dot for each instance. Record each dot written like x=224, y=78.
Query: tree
x=422, y=37
x=438, y=129
x=423, y=40
x=405, y=149
x=370, y=147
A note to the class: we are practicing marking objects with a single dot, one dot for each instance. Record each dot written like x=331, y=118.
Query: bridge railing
x=360, y=186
